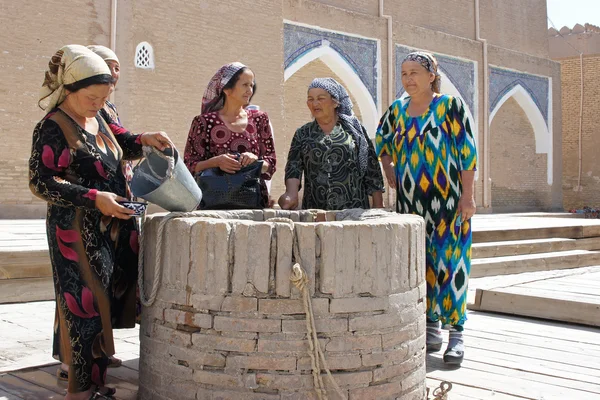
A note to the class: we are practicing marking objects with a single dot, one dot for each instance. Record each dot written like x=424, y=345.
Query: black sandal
x=62, y=375
x=104, y=393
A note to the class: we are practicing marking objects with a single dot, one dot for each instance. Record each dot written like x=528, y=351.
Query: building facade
x=578, y=51
x=494, y=55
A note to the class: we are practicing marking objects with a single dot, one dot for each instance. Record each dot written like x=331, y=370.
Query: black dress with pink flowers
x=94, y=257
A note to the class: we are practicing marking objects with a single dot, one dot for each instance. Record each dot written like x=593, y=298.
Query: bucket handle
x=169, y=159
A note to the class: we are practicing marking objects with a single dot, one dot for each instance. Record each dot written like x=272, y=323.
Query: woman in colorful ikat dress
x=225, y=128
x=75, y=166
x=334, y=153
x=428, y=154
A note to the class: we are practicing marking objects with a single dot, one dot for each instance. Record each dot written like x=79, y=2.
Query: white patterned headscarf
x=70, y=64
x=104, y=52
x=212, y=100
x=346, y=116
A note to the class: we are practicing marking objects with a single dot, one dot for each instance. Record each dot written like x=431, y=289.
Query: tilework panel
x=460, y=72
x=503, y=80
x=360, y=53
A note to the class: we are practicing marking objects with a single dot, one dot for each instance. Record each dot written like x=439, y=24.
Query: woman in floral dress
x=226, y=135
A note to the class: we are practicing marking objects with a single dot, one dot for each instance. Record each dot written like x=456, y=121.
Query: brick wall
x=191, y=43
x=589, y=194
x=519, y=175
x=37, y=30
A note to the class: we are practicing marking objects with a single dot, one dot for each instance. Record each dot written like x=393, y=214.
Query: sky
x=571, y=12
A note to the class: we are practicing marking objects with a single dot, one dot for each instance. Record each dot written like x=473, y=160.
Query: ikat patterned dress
x=93, y=256
x=429, y=153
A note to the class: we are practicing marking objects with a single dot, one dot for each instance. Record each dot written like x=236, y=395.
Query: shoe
x=62, y=375
x=455, y=352
x=103, y=393
x=433, y=338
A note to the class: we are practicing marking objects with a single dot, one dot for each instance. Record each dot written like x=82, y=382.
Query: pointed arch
x=342, y=68
x=543, y=135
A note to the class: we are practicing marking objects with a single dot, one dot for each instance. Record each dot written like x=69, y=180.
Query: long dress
x=210, y=137
x=332, y=179
x=94, y=257
x=429, y=153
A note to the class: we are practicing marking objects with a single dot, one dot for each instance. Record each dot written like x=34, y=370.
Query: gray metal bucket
x=163, y=179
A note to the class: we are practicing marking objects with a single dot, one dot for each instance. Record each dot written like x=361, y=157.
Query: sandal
x=99, y=396
x=104, y=393
x=62, y=375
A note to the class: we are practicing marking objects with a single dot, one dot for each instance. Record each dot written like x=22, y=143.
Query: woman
x=226, y=135
x=335, y=154
x=75, y=167
x=125, y=273
x=428, y=154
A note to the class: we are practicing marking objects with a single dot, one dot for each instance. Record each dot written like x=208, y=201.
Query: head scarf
x=70, y=64
x=429, y=62
x=104, y=52
x=346, y=116
x=212, y=99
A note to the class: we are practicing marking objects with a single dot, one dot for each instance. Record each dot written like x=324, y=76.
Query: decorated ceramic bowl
x=137, y=206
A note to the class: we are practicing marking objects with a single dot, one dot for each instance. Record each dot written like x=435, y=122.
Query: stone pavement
x=26, y=336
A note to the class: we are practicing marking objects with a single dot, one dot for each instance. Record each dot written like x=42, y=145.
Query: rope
x=317, y=359
x=147, y=301
x=441, y=393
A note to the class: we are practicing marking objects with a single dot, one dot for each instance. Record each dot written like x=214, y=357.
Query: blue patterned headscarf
x=346, y=116
x=429, y=62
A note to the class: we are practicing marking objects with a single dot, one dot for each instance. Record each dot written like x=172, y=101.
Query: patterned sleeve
x=295, y=165
x=48, y=164
x=266, y=144
x=373, y=178
x=197, y=147
x=130, y=143
x=385, y=132
x=460, y=126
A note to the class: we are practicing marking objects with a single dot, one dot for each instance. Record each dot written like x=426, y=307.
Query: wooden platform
x=507, y=358
x=567, y=295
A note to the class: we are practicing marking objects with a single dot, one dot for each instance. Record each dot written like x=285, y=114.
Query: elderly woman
x=226, y=134
x=75, y=166
x=335, y=154
x=428, y=153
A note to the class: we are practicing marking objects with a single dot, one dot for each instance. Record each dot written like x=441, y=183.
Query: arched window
x=144, y=56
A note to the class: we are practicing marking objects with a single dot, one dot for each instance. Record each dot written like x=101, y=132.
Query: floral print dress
x=93, y=257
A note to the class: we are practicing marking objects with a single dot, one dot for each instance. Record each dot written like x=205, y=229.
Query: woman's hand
x=388, y=169
x=106, y=202
x=247, y=158
x=466, y=207
x=228, y=163
x=288, y=201
x=160, y=140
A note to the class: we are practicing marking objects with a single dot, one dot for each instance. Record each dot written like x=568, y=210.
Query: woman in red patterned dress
x=226, y=128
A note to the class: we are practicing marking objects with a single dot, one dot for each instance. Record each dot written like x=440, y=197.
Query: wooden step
x=533, y=246
x=533, y=262
x=502, y=229
x=571, y=296
x=24, y=262
x=26, y=289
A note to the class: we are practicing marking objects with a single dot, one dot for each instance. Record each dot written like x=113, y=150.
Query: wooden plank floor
x=565, y=295
x=507, y=358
